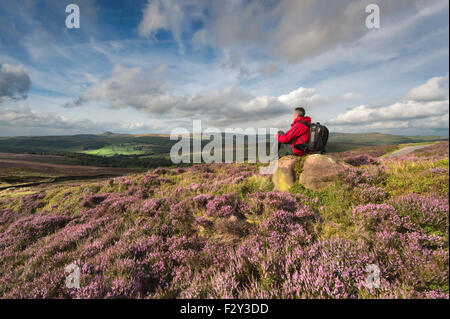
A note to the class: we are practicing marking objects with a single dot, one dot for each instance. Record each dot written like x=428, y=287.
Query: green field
x=119, y=149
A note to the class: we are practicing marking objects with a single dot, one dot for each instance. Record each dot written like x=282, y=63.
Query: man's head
x=299, y=111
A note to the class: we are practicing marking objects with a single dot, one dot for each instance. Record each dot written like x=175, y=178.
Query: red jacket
x=297, y=130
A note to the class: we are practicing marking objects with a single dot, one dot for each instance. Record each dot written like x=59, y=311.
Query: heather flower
x=160, y=171
x=201, y=200
x=202, y=221
x=372, y=175
x=272, y=201
x=240, y=177
x=180, y=170
x=438, y=170
x=93, y=200
x=155, y=205
x=207, y=175
x=194, y=187
x=6, y=216
x=150, y=180
x=365, y=193
x=30, y=228
x=425, y=210
x=30, y=203
x=359, y=160
x=225, y=205
x=125, y=181
x=382, y=217
x=113, y=203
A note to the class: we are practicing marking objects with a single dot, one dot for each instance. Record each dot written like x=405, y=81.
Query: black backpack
x=318, y=138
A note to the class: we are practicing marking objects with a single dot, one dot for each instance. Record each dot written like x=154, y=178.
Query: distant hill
x=107, y=133
x=105, y=144
x=380, y=139
x=150, y=145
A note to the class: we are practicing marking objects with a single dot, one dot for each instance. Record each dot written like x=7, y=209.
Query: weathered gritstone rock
x=284, y=177
x=318, y=172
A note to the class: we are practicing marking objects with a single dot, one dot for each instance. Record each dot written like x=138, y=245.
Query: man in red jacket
x=298, y=134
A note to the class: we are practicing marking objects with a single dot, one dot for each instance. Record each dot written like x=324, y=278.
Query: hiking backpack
x=318, y=138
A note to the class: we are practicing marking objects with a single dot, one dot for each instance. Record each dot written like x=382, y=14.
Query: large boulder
x=316, y=171
x=320, y=171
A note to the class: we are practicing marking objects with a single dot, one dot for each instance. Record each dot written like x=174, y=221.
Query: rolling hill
x=109, y=144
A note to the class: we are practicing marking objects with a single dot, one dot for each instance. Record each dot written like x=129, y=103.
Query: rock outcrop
x=320, y=171
x=317, y=172
x=284, y=177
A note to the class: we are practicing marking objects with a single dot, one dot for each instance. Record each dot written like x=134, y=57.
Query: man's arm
x=289, y=137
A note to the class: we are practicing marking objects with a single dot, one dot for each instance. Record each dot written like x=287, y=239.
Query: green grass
x=415, y=177
x=335, y=206
x=121, y=149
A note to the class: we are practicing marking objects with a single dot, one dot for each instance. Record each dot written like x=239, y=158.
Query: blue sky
x=151, y=66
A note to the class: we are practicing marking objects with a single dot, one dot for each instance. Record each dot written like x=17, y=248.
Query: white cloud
x=24, y=117
x=130, y=87
x=398, y=111
x=430, y=91
x=162, y=14
x=303, y=96
x=153, y=19
x=14, y=81
x=425, y=106
x=436, y=125
x=147, y=92
x=20, y=119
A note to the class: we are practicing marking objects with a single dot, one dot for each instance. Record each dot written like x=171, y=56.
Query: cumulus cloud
x=21, y=119
x=14, y=82
x=425, y=106
x=432, y=90
x=398, y=111
x=148, y=93
x=130, y=87
x=24, y=117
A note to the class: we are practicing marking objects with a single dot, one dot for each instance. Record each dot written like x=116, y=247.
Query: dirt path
x=406, y=150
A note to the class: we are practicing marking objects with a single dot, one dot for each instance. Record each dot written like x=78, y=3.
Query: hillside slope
x=219, y=231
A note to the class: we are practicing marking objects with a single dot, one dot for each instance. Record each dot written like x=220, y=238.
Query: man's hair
x=300, y=111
